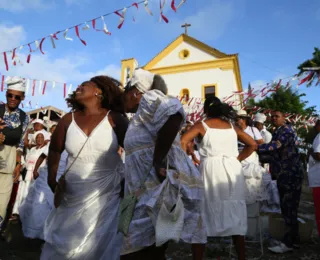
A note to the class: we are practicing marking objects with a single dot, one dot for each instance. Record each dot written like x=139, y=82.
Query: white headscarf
x=142, y=80
x=16, y=83
x=260, y=118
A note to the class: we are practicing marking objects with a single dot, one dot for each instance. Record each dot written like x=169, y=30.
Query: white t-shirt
x=266, y=135
x=253, y=132
x=314, y=166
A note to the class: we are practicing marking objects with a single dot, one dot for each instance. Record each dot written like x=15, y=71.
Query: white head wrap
x=16, y=83
x=242, y=113
x=142, y=80
x=260, y=118
x=38, y=121
x=43, y=132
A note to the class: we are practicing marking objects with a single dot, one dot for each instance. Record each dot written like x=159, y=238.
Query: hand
x=16, y=173
x=2, y=124
x=161, y=171
x=2, y=138
x=195, y=160
x=35, y=174
x=62, y=183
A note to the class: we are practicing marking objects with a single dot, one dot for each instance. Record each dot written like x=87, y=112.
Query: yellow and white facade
x=192, y=69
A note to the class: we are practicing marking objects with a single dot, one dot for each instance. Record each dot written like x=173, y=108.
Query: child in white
x=31, y=160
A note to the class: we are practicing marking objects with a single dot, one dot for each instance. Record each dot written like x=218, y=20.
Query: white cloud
x=67, y=69
x=61, y=70
x=209, y=22
x=21, y=5
x=11, y=36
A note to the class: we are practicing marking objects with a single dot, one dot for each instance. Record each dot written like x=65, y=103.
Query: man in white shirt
x=259, y=121
x=314, y=173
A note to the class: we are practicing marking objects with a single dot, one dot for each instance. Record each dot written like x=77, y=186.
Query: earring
x=97, y=95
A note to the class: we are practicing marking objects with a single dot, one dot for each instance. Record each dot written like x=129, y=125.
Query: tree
x=313, y=66
x=288, y=101
x=250, y=100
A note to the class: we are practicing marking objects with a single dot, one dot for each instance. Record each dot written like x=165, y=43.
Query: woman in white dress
x=38, y=204
x=30, y=163
x=151, y=140
x=224, y=203
x=252, y=169
x=84, y=226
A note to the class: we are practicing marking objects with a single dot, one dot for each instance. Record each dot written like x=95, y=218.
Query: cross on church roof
x=185, y=26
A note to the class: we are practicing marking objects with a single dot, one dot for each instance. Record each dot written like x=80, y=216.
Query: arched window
x=184, y=95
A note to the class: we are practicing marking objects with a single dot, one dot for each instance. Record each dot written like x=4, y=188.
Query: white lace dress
x=25, y=185
x=38, y=204
x=224, y=200
x=85, y=225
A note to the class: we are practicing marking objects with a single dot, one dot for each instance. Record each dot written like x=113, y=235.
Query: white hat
x=242, y=113
x=142, y=80
x=38, y=121
x=16, y=83
x=260, y=118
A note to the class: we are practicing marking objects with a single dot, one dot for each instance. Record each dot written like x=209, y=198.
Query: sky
x=271, y=37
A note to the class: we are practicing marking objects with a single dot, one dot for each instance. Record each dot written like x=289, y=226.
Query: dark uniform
x=286, y=168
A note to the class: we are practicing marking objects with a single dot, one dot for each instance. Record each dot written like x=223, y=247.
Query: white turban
x=142, y=80
x=16, y=83
x=260, y=118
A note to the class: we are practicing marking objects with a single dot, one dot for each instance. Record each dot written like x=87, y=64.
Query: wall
x=193, y=80
x=173, y=58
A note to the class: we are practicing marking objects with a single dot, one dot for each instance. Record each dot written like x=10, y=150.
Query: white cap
x=242, y=113
x=260, y=118
x=142, y=80
x=38, y=121
x=16, y=83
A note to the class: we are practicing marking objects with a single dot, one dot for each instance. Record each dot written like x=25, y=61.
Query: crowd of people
x=98, y=185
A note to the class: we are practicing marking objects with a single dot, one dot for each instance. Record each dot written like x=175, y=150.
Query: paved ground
x=19, y=248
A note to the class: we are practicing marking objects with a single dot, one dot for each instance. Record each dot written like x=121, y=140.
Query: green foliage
x=313, y=62
x=289, y=101
x=286, y=100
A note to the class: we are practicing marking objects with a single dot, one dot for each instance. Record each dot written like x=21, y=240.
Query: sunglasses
x=16, y=97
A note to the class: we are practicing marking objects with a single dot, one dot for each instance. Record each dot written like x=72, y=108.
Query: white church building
x=192, y=69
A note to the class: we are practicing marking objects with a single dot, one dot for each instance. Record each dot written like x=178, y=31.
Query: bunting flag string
x=44, y=87
x=146, y=7
x=122, y=15
x=194, y=106
x=33, y=87
x=64, y=90
x=53, y=36
x=2, y=83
